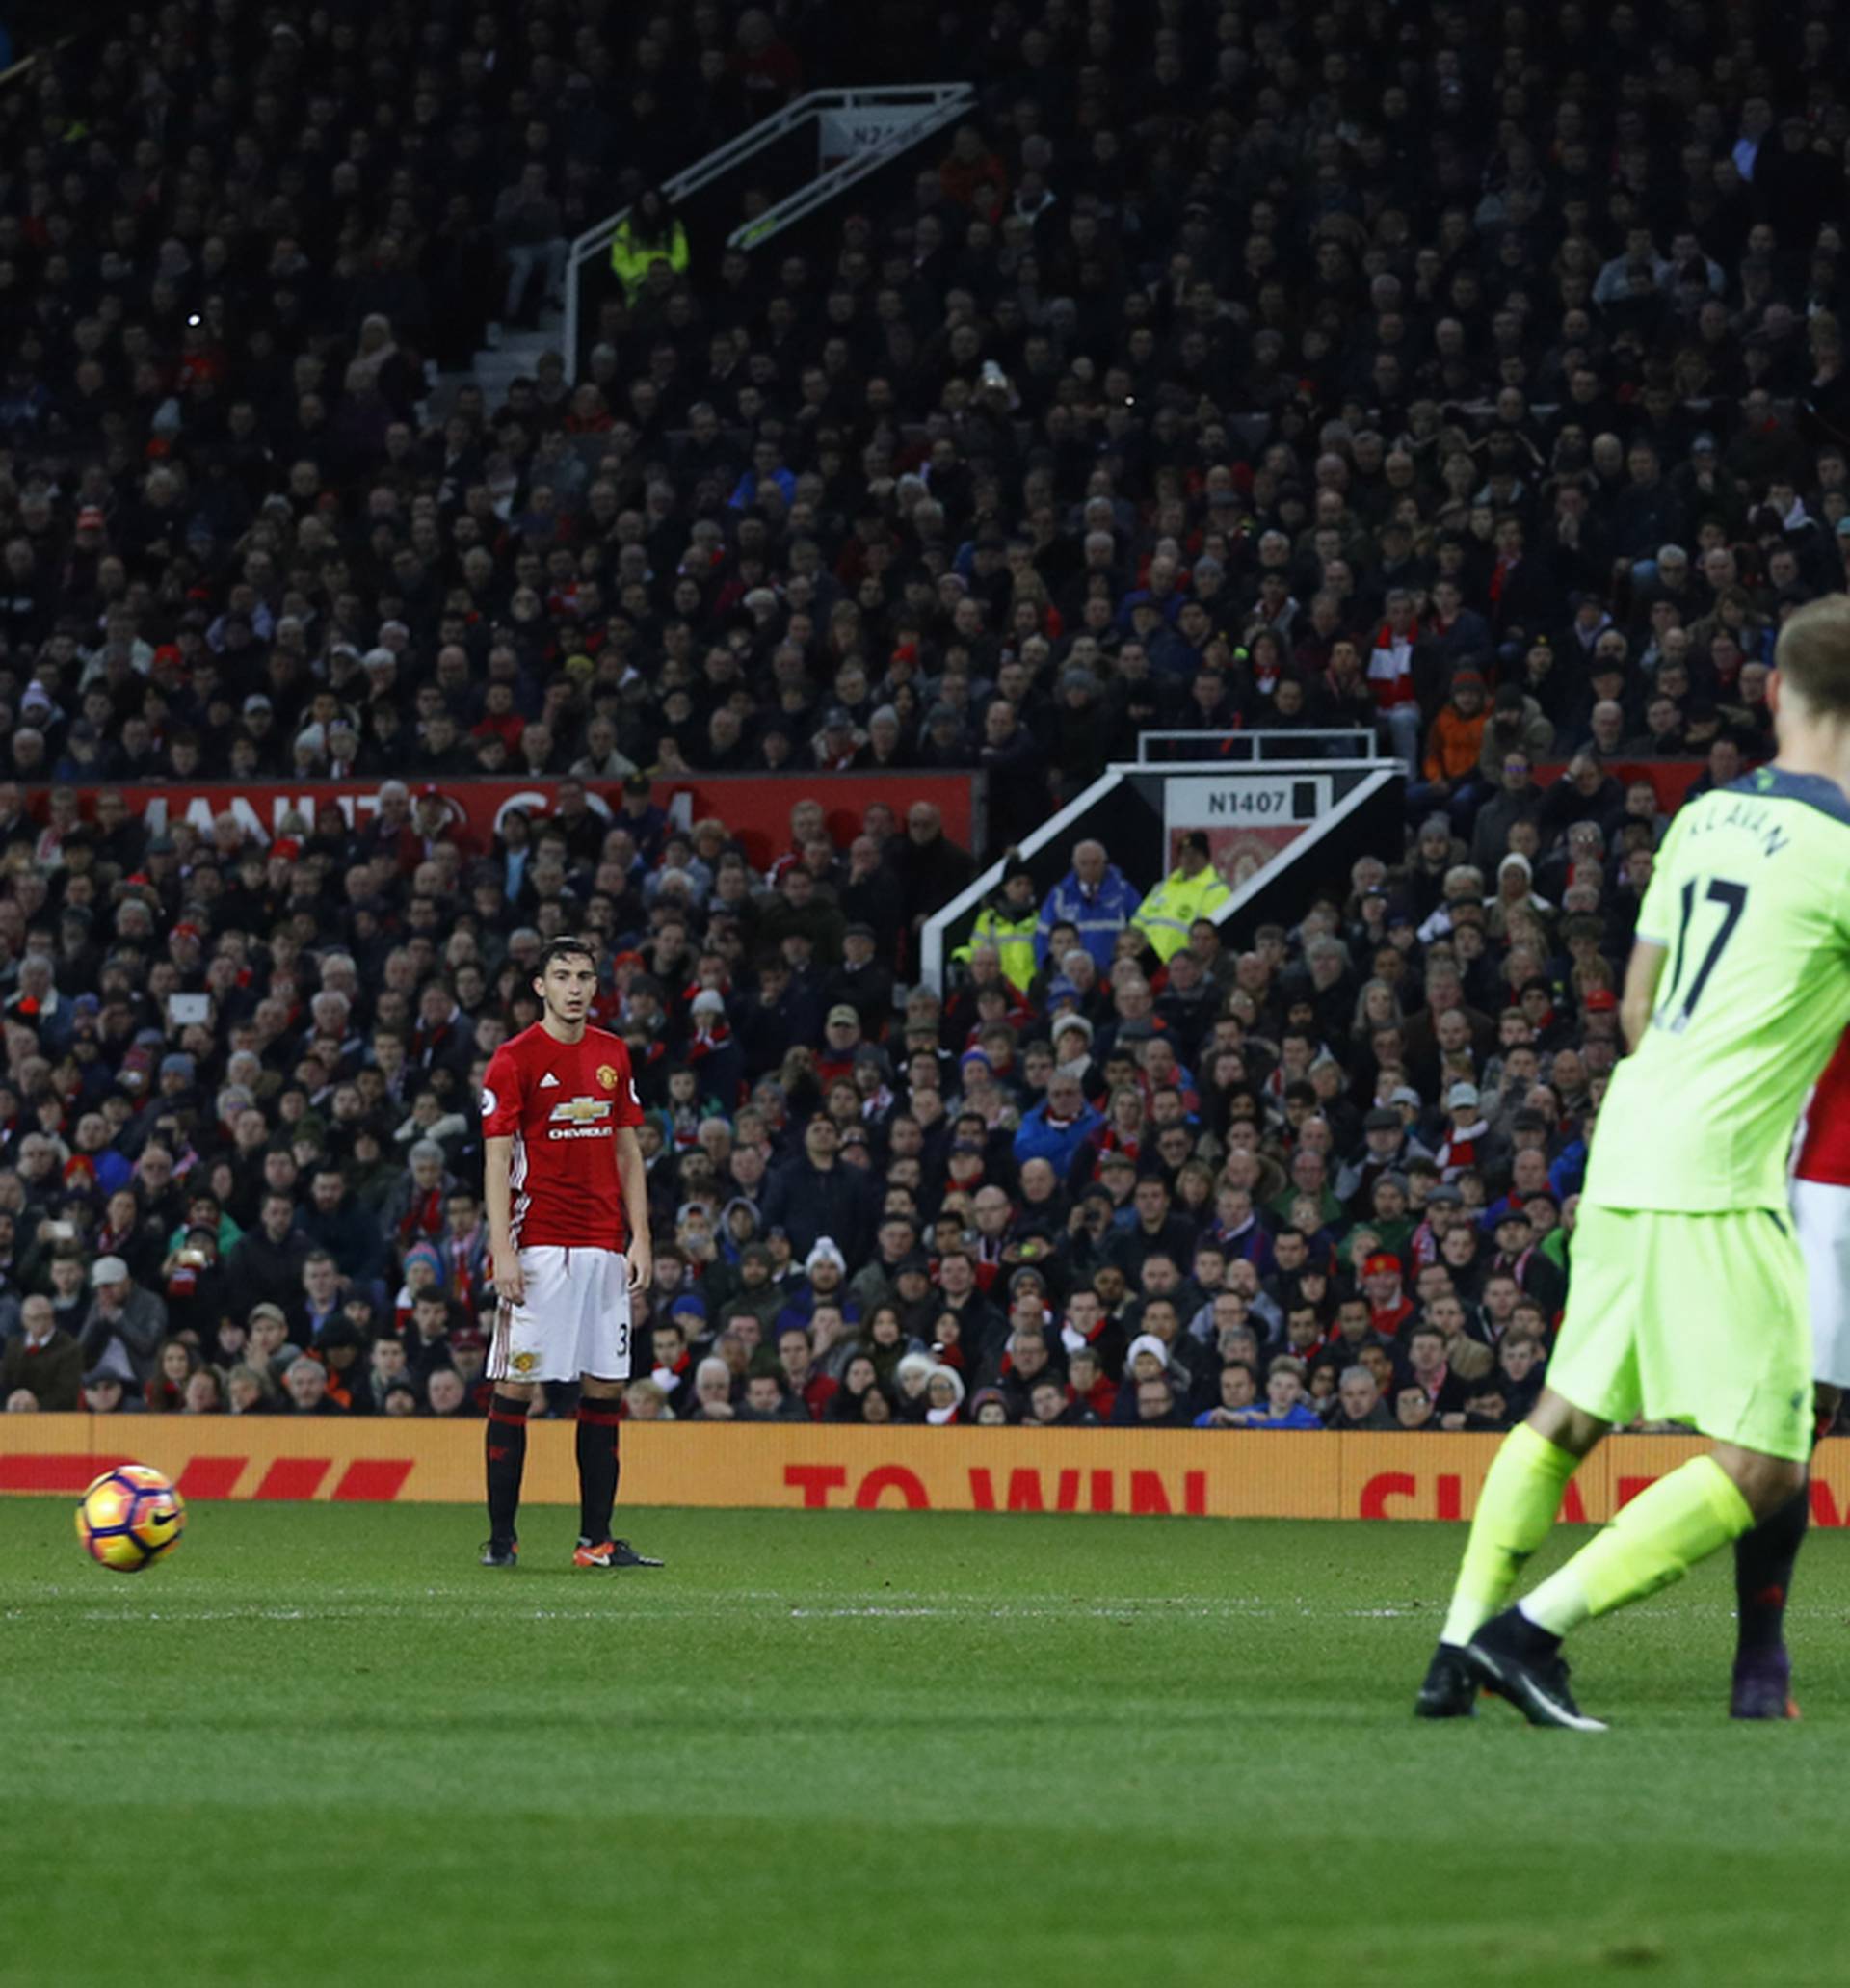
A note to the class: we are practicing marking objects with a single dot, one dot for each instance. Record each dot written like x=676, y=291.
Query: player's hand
x=510, y=1285
x=641, y=1264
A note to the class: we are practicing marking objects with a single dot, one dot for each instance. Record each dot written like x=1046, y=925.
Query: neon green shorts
x=1690, y=1319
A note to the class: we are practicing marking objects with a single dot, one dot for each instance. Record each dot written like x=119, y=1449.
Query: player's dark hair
x=1813, y=655
x=564, y=947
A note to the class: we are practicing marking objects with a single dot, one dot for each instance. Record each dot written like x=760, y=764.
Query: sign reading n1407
x=1249, y=801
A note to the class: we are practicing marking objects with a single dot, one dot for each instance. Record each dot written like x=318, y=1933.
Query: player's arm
x=1656, y=920
x=634, y=1177
x=497, y=1161
x=1640, y=998
x=501, y=1101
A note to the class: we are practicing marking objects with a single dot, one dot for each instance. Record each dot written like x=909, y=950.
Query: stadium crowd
x=1477, y=378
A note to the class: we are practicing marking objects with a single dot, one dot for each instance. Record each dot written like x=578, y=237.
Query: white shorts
x=1821, y=1214
x=574, y=1318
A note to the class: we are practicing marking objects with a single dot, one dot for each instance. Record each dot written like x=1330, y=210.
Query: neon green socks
x=1515, y=1509
x=1655, y=1541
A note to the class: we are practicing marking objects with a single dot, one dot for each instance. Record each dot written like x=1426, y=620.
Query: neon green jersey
x=1750, y=899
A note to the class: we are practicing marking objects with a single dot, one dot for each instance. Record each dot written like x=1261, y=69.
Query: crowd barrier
x=1192, y=1473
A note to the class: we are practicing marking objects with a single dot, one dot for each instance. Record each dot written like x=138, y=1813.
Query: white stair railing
x=892, y=116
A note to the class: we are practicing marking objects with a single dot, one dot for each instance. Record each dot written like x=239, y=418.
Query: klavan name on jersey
x=579, y=1118
x=1755, y=818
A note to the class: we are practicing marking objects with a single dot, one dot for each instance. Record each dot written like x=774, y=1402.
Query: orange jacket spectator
x=1457, y=736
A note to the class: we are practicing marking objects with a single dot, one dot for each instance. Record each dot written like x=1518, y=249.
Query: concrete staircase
x=495, y=367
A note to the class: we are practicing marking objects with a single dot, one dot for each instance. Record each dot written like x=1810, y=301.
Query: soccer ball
x=129, y=1518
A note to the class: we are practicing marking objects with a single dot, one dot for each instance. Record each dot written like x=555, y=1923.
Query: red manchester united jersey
x=561, y=1104
x=1824, y=1143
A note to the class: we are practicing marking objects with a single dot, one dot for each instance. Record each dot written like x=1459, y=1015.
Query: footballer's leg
x=1761, y=1687
x=506, y=1446
x=604, y=1344
x=531, y=1343
x=1720, y=1341
x=600, y=1469
x=1655, y=1540
x=1516, y=1509
x=1761, y=1684
x=1592, y=1384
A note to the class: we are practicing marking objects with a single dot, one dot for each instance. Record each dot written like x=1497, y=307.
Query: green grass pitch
x=321, y=1745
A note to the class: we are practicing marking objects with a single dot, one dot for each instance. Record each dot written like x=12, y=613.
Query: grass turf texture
x=320, y=1744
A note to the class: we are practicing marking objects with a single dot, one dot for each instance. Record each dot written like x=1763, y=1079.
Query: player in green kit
x=1687, y=1301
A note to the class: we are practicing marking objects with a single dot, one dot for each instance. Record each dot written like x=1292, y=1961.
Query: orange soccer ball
x=129, y=1518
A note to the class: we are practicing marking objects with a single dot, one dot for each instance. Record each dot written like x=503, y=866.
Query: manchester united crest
x=607, y=1075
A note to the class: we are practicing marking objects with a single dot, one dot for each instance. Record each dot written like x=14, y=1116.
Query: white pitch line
x=769, y=1607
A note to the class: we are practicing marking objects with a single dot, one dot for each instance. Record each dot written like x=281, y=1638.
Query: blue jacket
x=1296, y=1417
x=1035, y=1139
x=1100, y=915
x=1569, y=1170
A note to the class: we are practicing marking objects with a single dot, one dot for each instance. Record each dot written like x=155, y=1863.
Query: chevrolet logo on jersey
x=580, y=1111
x=579, y=1118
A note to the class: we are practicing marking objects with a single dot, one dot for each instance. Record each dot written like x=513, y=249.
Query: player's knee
x=1765, y=1482
x=1557, y=1421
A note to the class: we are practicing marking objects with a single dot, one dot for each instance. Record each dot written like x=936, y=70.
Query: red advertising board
x=811, y=1467
x=755, y=807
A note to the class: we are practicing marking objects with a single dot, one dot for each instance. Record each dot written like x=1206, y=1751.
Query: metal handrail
x=1248, y=748
x=937, y=102
x=846, y=172
x=1376, y=769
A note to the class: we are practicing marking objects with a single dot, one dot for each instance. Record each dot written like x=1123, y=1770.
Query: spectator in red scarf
x=945, y=1397
x=712, y=1053
x=1091, y=1384
x=1517, y=1257
x=415, y=1209
x=805, y=1381
x=1388, y=1305
x=465, y=1249
x=43, y=1358
x=1466, y=1139
x=1390, y=676
x=840, y=1040
x=174, y=1365
x=673, y=1370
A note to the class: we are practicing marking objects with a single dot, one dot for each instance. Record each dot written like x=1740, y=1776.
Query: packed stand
x=1225, y=372
x=1118, y=1176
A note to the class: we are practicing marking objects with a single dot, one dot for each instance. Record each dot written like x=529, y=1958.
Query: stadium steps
x=495, y=367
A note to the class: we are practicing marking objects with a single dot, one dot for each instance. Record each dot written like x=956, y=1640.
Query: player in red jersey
x=568, y=1230
x=1764, y=1559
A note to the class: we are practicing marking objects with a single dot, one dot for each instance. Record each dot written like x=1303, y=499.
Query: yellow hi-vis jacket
x=1165, y=915
x=632, y=258
x=1012, y=939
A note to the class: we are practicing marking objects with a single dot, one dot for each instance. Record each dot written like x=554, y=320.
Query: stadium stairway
x=511, y=356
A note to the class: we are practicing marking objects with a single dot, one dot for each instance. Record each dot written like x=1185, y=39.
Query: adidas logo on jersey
x=548, y=1082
